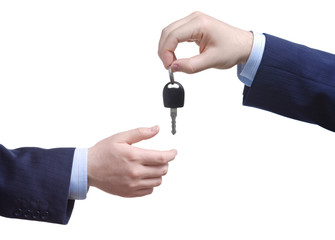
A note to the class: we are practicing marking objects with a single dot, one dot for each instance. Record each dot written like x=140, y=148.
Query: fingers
x=194, y=64
x=146, y=187
x=149, y=172
x=144, y=156
x=142, y=187
x=186, y=29
x=167, y=45
x=136, y=135
x=153, y=157
x=142, y=192
x=145, y=181
x=125, y=170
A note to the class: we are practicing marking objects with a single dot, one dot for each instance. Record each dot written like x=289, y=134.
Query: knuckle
x=164, y=171
x=159, y=182
x=161, y=159
x=134, y=174
x=197, y=13
x=165, y=32
x=171, y=38
x=131, y=185
x=192, y=68
x=140, y=132
x=203, y=21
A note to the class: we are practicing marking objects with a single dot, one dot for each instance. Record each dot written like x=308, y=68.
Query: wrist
x=90, y=157
x=246, y=40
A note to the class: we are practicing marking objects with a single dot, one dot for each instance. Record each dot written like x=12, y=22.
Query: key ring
x=171, y=75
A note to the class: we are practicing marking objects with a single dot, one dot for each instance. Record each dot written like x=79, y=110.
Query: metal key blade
x=173, y=113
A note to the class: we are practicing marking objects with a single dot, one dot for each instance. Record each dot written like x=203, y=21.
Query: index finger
x=170, y=38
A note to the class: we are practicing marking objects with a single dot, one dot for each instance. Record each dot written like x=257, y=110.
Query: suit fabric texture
x=292, y=80
x=295, y=81
x=34, y=184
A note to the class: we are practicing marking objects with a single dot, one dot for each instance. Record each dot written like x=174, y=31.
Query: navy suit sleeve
x=34, y=184
x=295, y=81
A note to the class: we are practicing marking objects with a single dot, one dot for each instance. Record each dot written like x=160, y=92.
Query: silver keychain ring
x=171, y=75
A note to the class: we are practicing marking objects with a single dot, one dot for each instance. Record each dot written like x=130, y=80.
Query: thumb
x=137, y=134
x=194, y=64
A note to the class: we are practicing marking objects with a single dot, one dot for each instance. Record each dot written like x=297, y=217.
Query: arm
x=34, y=184
x=295, y=81
x=292, y=80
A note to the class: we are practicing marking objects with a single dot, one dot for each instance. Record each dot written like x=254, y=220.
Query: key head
x=173, y=95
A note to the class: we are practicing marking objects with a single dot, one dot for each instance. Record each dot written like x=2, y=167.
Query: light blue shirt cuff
x=246, y=72
x=78, y=182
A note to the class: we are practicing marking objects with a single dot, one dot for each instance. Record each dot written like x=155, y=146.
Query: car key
x=173, y=97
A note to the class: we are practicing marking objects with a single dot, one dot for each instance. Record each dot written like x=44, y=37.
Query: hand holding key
x=221, y=46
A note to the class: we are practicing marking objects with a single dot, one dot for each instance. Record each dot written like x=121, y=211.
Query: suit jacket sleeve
x=34, y=184
x=295, y=81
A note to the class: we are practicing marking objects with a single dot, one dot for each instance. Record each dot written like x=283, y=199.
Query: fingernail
x=154, y=129
x=175, y=67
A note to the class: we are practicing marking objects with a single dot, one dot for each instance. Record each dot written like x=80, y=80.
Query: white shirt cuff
x=78, y=182
x=246, y=72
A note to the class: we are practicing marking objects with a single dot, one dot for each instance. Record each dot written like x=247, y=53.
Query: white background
x=75, y=72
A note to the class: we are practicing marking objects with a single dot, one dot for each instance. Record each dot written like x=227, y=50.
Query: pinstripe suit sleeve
x=34, y=184
x=295, y=81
